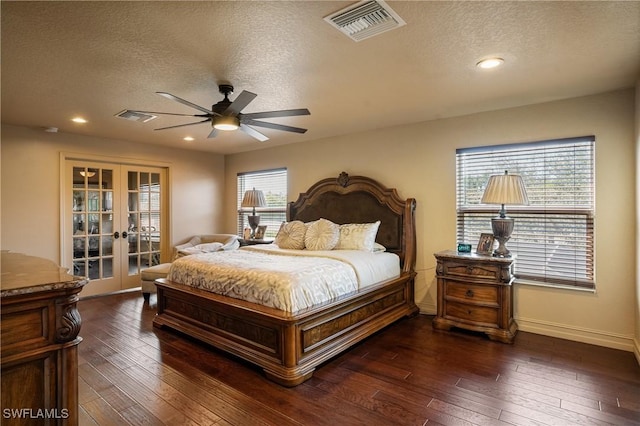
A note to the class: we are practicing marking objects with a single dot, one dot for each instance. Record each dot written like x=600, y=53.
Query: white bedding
x=289, y=280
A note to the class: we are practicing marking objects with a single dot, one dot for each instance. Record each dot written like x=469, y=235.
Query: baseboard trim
x=126, y=290
x=580, y=334
x=563, y=331
x=427, y=308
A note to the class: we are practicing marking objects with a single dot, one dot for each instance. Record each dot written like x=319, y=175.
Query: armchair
x=197, y=244
x=206, y=243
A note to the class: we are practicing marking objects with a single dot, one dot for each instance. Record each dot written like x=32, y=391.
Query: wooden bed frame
x=290, y=346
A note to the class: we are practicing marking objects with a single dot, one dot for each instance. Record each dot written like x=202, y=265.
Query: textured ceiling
x=95, y=59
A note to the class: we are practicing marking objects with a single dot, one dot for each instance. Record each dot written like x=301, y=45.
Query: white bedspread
x=289, y=280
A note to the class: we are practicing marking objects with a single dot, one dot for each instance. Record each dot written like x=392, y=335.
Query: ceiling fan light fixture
x=226, y=123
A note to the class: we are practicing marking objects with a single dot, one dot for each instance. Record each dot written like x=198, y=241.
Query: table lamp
x=504, y=189
x=253, y=198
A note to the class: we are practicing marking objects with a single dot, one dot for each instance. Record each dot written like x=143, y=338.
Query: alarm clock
x=464, y=248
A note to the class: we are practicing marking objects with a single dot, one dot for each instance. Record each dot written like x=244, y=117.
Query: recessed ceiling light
x=490, y=63
x=79, y=120
x=188, y=138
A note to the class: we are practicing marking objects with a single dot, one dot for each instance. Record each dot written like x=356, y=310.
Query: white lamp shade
x=253, y=198
x=505, y=189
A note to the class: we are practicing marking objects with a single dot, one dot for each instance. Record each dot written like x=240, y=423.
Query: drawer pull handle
x=469, y=293
x=469, y=311
x=469, y=270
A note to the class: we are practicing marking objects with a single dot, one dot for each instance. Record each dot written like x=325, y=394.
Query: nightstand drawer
x=473, y=314
x=470, y=293
x=481, y=271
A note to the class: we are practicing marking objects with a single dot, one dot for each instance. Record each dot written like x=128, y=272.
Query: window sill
x=554, y=286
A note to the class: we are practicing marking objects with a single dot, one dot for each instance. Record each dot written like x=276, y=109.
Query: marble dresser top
x=23, y=274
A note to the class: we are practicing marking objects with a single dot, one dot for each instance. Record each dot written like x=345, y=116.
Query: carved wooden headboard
x=359, y=199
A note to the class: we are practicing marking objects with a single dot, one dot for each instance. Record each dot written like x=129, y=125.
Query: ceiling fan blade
x=253, y=133
x=183, y=125
x=274, y=114
x=273, y=126
x=213, y=134
x=239, y=103
x=168, y=113
x=184, y=102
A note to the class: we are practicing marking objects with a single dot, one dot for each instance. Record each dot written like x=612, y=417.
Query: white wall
x=30, y=178
x=419, y=160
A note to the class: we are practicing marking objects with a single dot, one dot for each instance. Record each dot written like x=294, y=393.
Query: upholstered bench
x=150, y=275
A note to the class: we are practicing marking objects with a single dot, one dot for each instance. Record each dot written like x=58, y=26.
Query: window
x=273, y=183
x=553, y=236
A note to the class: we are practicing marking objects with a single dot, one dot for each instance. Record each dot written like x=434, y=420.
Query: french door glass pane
x=144, y=220
x=92, y=229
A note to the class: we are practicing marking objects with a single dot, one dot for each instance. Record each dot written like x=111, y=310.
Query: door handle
x=116, y=235
x=124, y=234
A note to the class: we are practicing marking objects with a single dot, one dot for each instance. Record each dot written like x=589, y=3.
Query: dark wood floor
x=409, y=374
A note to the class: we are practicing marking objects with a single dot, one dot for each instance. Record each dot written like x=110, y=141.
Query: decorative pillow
x=291, y=235
x=358, y=236
x=321, y=235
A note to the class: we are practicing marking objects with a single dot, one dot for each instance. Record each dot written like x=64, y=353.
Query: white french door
x=114, y=223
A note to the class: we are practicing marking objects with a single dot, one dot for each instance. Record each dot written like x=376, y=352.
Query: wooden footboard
x=288, y=347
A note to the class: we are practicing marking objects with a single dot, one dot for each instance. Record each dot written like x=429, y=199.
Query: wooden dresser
x=475, y=293
x=39, y=337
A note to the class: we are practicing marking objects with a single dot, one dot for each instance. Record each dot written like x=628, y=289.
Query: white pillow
x=321, y=235
x=379, y=248
x=187, y=251
x=207, y=247
x=187, y=248
x=358, y=236
x=291, y=235
x=191, y=243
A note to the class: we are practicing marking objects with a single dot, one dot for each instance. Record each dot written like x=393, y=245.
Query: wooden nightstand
x=475, y=293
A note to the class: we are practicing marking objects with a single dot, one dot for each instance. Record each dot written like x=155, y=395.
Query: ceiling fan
x=226, y=116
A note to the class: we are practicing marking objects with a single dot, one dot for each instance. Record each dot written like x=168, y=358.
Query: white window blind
x=553, y=236
x=273, y=183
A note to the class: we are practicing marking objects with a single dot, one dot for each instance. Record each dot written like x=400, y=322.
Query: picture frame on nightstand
x=485, y=244
x=260, y=232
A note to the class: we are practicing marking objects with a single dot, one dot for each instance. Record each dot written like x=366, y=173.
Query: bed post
x=409, y=236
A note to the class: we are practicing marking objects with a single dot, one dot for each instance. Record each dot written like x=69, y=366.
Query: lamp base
x=254, y=221
x=502, y=228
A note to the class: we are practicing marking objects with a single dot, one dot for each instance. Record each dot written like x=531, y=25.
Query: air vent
x=365, y=19
x=138, y=116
